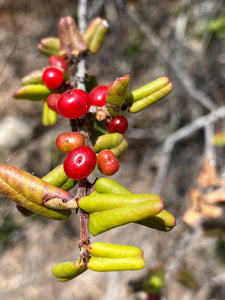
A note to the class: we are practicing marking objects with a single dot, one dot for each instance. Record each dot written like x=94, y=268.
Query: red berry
x=107, y=162
x=98, y=95
x=74, y=103
x=80, y=162
x=67, y=141
x=117, y=124
x=58, y=61
x=52, y=77
x=52, y=101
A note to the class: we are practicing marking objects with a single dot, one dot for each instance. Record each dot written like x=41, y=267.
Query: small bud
x=71, y=41
x=49, y=46
x=95, y=34
x=36, y=92
x=116, y=93
x=68, y=270
x=98, y=249
x=108, y=186
x=34, y=77
x=102, y=264
x=49, y=117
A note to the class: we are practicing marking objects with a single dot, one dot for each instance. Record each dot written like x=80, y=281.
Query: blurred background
x=183, y=40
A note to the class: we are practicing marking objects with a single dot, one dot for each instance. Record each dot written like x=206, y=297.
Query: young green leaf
x=36, y=92
x=102, y=264
x=102, y=202
x=34, y=77
x=95, y=34
x=163, y=221
x=108, y=141
x=49, y=46
x=57, y=177
x=147, y=89
x=68, y=270
x=108, y=186
x=49, y=116
x=98, y=249
x=149, y=100
x=105, y=220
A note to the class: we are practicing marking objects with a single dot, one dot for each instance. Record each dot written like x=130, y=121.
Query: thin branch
x=181, y=75
x=179, y=135
x=82, y=24
x=209, y=147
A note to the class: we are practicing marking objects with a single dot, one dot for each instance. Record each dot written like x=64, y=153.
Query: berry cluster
x=80, y=160
x=96, y=141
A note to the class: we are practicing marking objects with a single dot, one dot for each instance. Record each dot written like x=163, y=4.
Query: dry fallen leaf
x=216, y=196
x=208, y=174
x=191, y=216
x=211, y=211
x=196, y=199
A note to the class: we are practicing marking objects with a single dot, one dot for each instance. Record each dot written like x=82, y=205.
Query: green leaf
x=163, y=221
x=116, y=93
x=49, y=116
x=118, y=150
x=147, y=89
x=108, y=186
x=95, y=34
x=68, y=270
x=108, y=141
x=98, y=249
x=141, y=104
x=36, y=92
x=102, y=202
x=34, y=77
x=57, y=177
x=49, y=46
x=102, y=264
x=105, y=220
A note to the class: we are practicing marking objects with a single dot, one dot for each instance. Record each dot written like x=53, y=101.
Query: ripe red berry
x=52, y=101
x=107, y=162
x=74, y=103
x=67, y=141
x=98, y=95
x=58, y=61
x=117, y=124
x=52, y=77
x=80, y=162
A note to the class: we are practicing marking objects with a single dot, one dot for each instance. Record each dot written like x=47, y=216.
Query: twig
x=181, y=250
x=181, y=75
x=179, y=135
x=209, y=147
x=82, y=24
